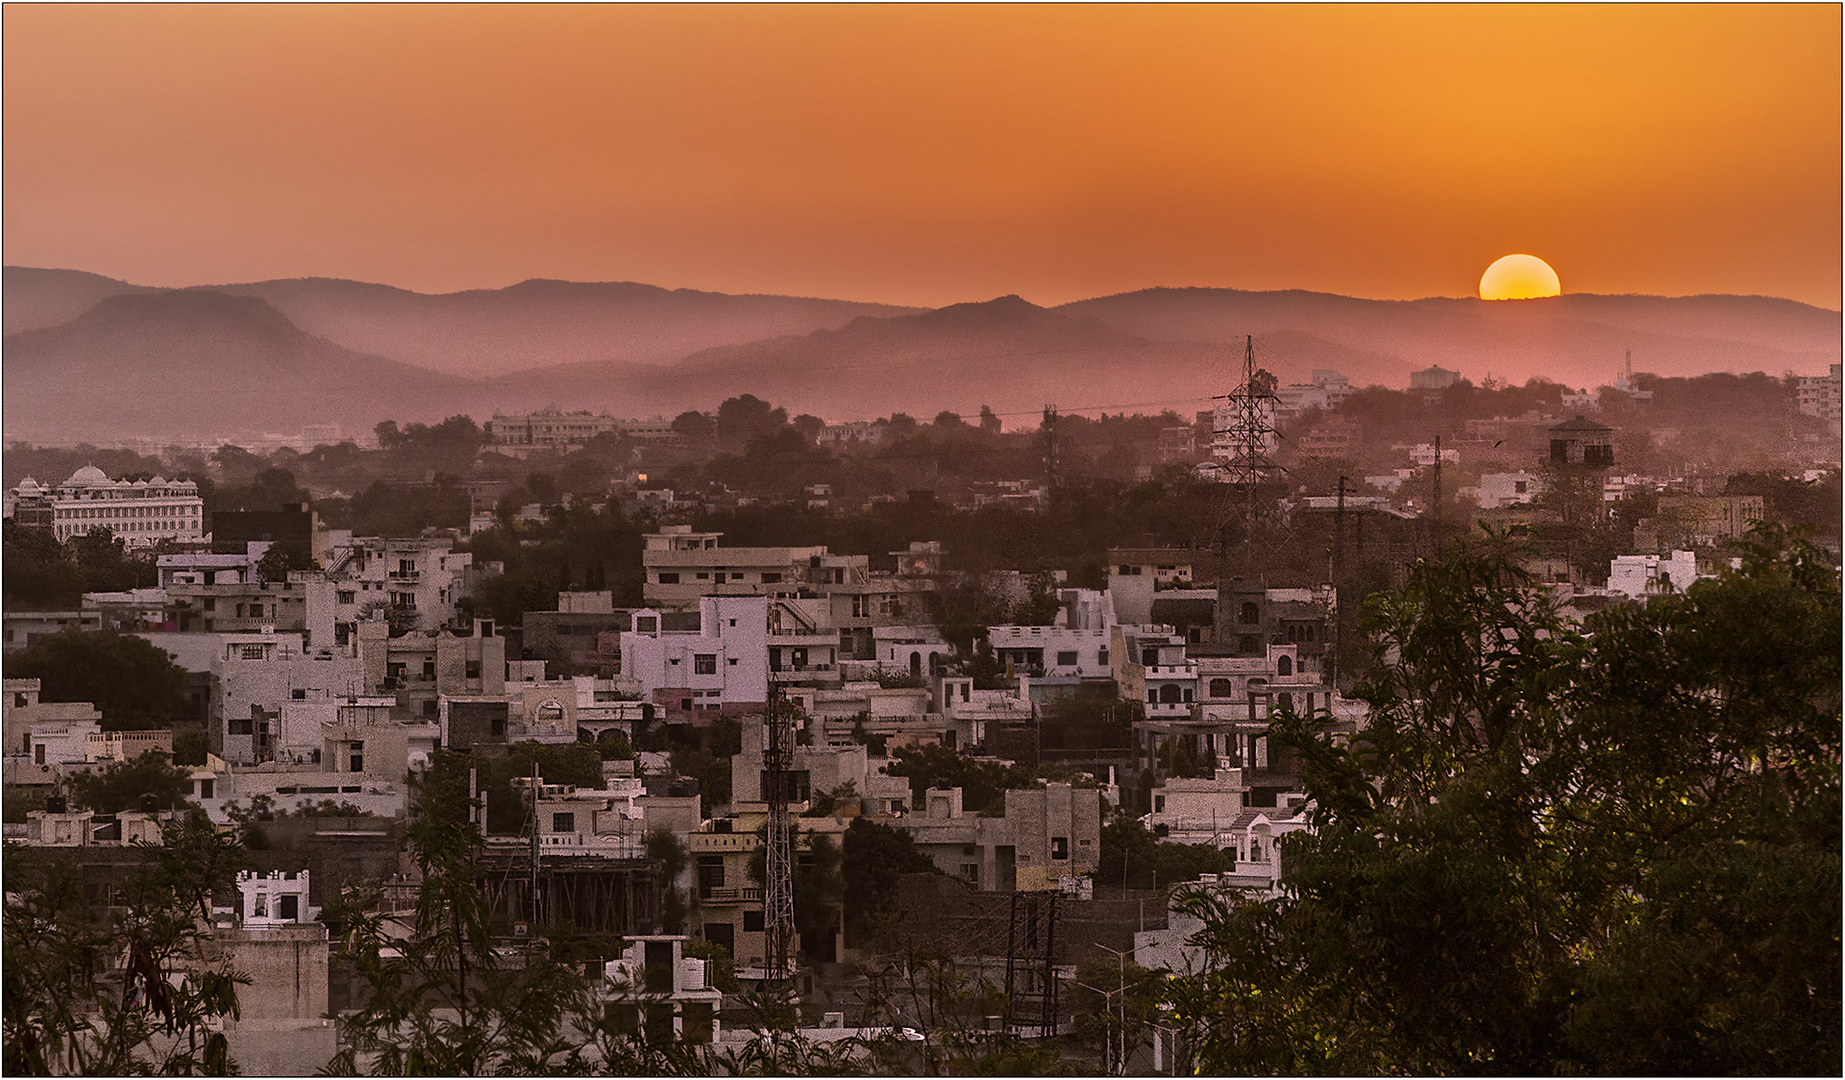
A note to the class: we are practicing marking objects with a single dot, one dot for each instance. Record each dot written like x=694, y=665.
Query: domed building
x=141, y=512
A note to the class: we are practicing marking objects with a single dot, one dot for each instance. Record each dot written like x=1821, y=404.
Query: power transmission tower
x=1244, y=443
x=778, y=883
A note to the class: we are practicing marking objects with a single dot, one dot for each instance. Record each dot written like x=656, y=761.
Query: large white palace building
x=141, y=512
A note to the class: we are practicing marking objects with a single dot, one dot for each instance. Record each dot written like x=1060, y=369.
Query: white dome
x=88, y=476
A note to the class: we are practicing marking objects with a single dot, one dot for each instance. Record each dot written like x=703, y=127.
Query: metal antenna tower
x=1244, y=442
x=778, y=884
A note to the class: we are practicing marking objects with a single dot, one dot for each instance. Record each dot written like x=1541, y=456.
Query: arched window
x=1250, y=615
x=1287, y=701
x=1222, y=688
x=1284, y=666
x=1169, y=694
x=916, y=663
x=549, y=713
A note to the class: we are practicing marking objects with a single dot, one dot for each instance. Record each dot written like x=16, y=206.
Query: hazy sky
x=930, y=154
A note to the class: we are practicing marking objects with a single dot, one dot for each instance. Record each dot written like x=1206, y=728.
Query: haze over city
x=1008, y=540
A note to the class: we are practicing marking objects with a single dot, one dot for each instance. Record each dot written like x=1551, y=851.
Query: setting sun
x=1519, y=277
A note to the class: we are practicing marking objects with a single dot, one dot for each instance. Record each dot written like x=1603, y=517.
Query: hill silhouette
x=200, y=362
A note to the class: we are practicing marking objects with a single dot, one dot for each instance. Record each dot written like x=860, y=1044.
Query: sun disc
x=1519, y=277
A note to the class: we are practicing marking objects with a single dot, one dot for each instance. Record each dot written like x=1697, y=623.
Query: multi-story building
x=253, y=675
x=1045, y=835
x=721, y=667
x=1819, y=395
x=141, y=512
x=548, y=429
x=415, y=582
x=1700, y=520
x=1326, y=392
x=1433, y=378
x=1150, y=665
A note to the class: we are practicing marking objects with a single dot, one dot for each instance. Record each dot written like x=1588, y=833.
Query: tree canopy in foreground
x=1611, y=848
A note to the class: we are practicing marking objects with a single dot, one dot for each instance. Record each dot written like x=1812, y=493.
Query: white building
x=1326, y=392
x=1641, y=576
x=1497, y=490
x=140, y=512
x=723, y=666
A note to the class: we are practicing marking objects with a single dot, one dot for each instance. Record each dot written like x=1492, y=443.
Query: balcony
x=1169, y=710
x=1172, y=671
x=405, y=575
x=737, y=894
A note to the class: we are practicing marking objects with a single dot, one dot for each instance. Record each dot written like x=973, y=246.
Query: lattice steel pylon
x=1244, y=441
x=778, y=877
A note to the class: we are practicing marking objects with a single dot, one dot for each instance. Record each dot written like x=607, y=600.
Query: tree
x=1115, y=1001
x=122, y=785
x=283, y=557
x=989, y=421
x=440, y=999
x=983, y=784
x=1609, y=849
x=1128, y=846
x=133, y=683
x=876, y=857
x=134, y=993
x=190, y=747
x=693, y=425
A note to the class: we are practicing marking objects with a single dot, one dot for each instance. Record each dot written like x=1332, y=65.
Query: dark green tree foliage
x=442, y=1000
x=1607, y=850
x=876, y=857
x=134, y=684
x=190, y=747
x=283, y=557
x=138, y=993
x=120, y=785
x=983, y=784
x=39, y=573
x=1149, y=862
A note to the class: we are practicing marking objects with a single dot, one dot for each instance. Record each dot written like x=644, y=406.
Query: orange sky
x=930, y=154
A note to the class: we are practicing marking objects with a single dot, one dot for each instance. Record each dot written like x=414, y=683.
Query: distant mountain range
x=88, y=357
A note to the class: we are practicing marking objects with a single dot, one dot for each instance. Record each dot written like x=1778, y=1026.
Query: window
x=1060, y=847
x=702, y=576
x=1519, y=486
x=1250, y=614
x=1222, y=688
x=668, y=579
x=1066, y=658
x=1159, y=804
x=768, y=578
x=252, y=652
x=566, y=822
x=288, y=908
x=357, y=759
x=348, y=596
x=752, y=922
x=704, y=664
x=1284, y=667
x=971, y=871
x=298, y=695
x=472, y=670
x=429, y=669
x=1246, y=643
x=211, y=603
x=1101, y=657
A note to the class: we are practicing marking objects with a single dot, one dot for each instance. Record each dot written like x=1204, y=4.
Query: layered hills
x=90, y=357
